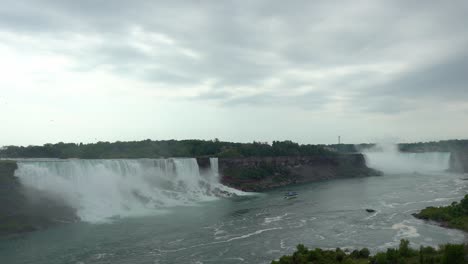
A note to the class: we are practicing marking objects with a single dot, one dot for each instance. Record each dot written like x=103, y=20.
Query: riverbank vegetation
x=404, y=254
x=453, y=216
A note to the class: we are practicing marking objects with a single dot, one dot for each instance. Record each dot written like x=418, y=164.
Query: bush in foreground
x=446, y=254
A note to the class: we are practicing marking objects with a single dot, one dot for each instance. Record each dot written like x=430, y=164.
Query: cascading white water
x=214, y=168
x=389, y=160
x=101, y=189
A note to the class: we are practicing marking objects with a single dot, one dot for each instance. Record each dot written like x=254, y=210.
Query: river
x=257, y=228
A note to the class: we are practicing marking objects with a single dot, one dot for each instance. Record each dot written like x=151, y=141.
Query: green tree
x=364, y=253
x=453, y=254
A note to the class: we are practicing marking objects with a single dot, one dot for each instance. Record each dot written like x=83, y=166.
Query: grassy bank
x=404, y=254
x=453, y=216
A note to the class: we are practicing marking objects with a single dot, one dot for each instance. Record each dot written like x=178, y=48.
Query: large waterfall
x=101, y=189
x=388, y=159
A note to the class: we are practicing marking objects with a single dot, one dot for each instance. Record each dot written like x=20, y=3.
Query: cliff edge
x=263, y=173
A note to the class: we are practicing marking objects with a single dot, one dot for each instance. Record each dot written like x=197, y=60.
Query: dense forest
x=164, y=148
x=404, y=254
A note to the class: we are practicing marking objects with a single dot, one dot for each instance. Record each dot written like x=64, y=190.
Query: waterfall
x=214, y=168
x=388, y=159
x=102, y=189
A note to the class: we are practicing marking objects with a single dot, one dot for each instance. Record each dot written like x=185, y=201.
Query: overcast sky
x=308, y=71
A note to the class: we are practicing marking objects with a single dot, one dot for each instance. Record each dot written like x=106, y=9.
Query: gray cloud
x=447, y=79
x=441, y=82
x=246, y=44
x=310, y=101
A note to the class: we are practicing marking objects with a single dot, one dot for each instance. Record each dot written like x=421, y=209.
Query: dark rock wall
x=263, y=173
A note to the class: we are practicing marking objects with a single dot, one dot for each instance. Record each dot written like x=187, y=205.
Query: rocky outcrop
x=24, y=210
x=263, y=173
x=204, y=163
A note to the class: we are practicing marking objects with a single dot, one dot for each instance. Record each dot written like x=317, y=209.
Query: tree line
x=443, y=145
x=163, y=148
x=196, y=148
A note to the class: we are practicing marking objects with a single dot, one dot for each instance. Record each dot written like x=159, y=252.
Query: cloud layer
x=359, y=60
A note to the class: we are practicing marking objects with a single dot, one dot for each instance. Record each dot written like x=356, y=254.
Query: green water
x=256, y=228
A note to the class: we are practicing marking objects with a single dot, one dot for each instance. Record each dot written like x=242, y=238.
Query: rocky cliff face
x=262, y=173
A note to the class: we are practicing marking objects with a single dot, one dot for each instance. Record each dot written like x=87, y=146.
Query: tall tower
x=339, y=140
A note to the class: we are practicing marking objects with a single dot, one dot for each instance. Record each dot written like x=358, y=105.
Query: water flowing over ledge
x=389, y=160
x=103, y=189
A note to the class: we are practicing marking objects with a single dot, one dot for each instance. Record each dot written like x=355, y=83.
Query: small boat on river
x=290, y=195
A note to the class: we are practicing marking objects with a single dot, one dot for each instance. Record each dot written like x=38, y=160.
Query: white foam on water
x=296, y=224
x=405, y=231
x=258, y=232
x=320, y=237
x=253, y=234
x=282, y=244
x=104, y=189
x=239, y=259
x=268, y=220
x=372, y=215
